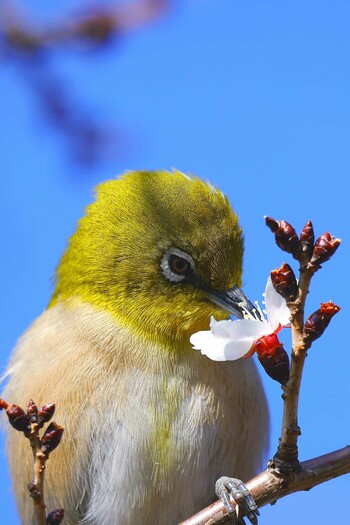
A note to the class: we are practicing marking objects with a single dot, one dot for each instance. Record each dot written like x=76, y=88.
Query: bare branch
x=30, y=423
x=268, y=487
x=285, y=474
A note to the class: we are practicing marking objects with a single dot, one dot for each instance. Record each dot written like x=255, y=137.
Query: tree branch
x=269, y=486
x=284, y=473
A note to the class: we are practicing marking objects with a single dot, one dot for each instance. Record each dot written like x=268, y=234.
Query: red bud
x=273, y=357
x=284, y=282
x=18, y=418
x=325, y=247
x=307, y=239
x=55, y=517
x=52, y=437
x=285, y=236
x=32, y=411
x=45, y=413
x=317, y=322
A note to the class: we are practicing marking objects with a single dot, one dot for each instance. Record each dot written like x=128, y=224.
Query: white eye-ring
x=176, y=264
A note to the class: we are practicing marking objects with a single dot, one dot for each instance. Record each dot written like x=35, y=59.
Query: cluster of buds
x=34, y=417
x=273, y=357
x=30, y=422
x=304, y=247
x=42, y=415
x=311, y=254
x=317, y=322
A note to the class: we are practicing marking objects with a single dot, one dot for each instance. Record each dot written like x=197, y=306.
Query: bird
x=150, y=423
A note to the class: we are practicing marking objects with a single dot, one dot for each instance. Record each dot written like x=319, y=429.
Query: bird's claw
x=227, y=488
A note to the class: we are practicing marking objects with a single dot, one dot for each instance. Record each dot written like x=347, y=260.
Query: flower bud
x=45, y=413
x=307, y=239
x=32, y=411
x=52, y=437
x=55, y=517
x=285, y=236
x=273, y=357
x=18, y=418
x=325, y=247
x=284, y=282
x=317, y=322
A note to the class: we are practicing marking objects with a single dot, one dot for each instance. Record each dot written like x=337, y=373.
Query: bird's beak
x=234, y=301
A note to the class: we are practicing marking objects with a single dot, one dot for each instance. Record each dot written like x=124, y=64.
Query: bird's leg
x=246, y=506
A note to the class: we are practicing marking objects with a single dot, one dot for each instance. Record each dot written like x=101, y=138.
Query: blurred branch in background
x=32, y=46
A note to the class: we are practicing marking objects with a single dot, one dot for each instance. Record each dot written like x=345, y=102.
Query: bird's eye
x=176, y=265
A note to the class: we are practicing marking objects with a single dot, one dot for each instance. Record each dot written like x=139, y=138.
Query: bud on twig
x=32, y=411
x=18, y=418
x=307, y=239
x=52, y=437
x=284, y=282
x=55, y=517
x=318, y=321
x=45, y=413
x=285, y=236
x=325, y=247
x=273, y=357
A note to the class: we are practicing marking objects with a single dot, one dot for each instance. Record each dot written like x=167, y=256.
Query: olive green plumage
x=113, y=259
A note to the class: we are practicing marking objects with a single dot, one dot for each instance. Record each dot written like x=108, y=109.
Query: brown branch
x=309, y=257
x=30, y=423
x=284, y=474
x=286, y=456
x=36, y=487
x=268, y=486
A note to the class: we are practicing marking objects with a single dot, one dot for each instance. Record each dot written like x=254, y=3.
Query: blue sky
x=253, y=96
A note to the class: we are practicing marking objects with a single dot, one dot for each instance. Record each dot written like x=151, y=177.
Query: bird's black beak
x=234, y=301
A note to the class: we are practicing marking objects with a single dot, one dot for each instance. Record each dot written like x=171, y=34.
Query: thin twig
x=284, y=474
x=286, y=456
x=267, y=487
x=30, y=423
x=36, y=487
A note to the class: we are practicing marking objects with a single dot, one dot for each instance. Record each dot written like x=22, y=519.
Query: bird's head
x=160, y=251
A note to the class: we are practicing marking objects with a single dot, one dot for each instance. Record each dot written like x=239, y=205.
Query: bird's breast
x=140, y=420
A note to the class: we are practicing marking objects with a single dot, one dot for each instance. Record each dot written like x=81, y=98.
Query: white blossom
x=230, y=340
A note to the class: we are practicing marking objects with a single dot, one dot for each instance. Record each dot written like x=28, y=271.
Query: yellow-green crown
x=114, y=259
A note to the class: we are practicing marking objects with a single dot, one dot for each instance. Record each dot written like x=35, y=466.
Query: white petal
x=276, y=307
x=239, y=329
x=209, y=345
x=238, y=348
x=228, y=340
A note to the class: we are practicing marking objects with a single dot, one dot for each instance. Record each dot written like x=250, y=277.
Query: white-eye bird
x=150, y=423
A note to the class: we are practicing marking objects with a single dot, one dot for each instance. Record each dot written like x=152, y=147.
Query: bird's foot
x=245, y=504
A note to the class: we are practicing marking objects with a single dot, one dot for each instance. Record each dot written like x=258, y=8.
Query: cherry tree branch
x=286, y=456
x=30, y=422
x=268, y=487
x=284, y=473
